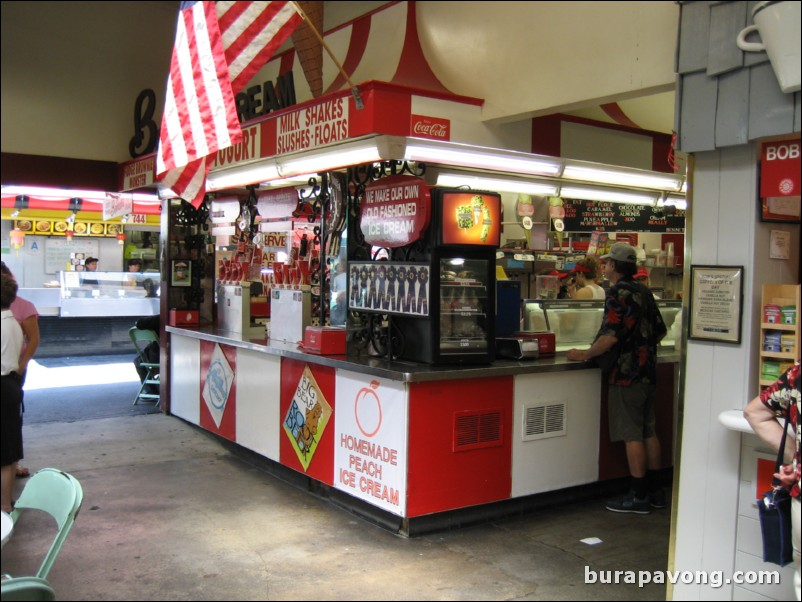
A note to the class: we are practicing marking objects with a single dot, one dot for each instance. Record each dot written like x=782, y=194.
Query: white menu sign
x=370, y=425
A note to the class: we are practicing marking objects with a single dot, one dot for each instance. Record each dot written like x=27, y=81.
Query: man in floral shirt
x=630, y=333
x=780, y=401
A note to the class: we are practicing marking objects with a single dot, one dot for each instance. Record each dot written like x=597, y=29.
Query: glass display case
x=457, y=326
x=575, y=323
x=464, y=307
x=108, y=294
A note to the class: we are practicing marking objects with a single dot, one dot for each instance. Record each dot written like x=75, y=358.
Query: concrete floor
x=170, y=513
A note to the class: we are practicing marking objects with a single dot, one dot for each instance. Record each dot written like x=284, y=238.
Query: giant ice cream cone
x=309, y=48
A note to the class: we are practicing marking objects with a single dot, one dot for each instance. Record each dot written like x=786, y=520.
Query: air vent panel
x=474, y=430
x=543, y=420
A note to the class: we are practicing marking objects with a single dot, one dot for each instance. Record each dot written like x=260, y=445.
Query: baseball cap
x=621, y=251
x=641, y=273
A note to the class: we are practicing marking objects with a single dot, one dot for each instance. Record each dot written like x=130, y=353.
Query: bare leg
x=636, y=458
x=7, y=476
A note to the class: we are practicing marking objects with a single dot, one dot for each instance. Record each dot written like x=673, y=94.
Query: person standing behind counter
x=90, y=265
x=586, y=273
x=631, y=330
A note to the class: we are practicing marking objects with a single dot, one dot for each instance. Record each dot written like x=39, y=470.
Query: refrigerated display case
x=99, y=294
x=575, y=323
x=464, y=236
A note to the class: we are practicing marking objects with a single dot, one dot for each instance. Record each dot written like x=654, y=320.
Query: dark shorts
x=10, y=420
x=631, y=412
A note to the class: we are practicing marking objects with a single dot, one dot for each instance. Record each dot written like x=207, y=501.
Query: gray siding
x=726, y=97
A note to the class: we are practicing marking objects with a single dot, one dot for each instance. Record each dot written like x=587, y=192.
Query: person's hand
x=786, y=476
x=578, y=355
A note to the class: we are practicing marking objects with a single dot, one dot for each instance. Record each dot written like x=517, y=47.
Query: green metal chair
x=141, y=339
x=58, y=494
x=26, y=588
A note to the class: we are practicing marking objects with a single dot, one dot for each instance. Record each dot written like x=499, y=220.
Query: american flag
x=219, y=47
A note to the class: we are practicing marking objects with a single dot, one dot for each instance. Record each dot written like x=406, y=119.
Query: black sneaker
x=657, y=499
x=630, y=504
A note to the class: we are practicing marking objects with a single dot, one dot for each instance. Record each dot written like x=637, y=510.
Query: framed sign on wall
x=716, y=303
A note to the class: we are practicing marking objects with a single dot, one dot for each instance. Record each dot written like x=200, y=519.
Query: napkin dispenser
x=516, y=348
x=546, y=341
x=526, y=345
x=324, y=340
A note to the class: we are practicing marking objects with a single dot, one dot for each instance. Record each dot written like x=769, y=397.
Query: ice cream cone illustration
x=309, y=48
x=477, y=203
x=464, y=218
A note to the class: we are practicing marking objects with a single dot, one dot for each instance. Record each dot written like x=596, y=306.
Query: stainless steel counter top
x=400, y=370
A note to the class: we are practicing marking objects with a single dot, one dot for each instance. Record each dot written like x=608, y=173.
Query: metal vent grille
x=542, y=421
x=473, y=430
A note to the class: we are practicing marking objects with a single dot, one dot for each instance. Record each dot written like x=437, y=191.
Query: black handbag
x=774, y=508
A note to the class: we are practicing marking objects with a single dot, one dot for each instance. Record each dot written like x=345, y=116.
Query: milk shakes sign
x=370, y=460
x=395, y=211
x=312, y=127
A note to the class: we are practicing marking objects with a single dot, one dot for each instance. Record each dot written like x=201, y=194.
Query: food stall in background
x=51, y=232
x=417, y=425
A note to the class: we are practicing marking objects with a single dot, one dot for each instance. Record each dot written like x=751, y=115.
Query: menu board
x=58, y=250
x=590, y=216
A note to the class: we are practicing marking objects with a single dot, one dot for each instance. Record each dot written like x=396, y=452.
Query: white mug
x=778, y=24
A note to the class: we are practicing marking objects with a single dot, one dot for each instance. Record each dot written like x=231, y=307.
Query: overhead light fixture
x=61, y=194
x=356, y=152
x=465, y=155
x=588, y=193
x=301, y=180
x=621, y=176
x=242, y=175
x=497, y=184
x=677, y=201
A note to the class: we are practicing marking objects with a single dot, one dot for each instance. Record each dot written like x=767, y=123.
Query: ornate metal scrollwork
x=311, y=200
x=368, y=329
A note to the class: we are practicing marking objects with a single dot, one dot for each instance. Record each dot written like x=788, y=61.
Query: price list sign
x=590, y=216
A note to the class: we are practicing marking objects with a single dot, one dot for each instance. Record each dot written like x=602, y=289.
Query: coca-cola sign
x=395, y=211
x=430, y=127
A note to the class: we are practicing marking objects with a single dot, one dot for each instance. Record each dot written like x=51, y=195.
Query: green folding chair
x=26, y=588
x=141, y=339
x=58, y=494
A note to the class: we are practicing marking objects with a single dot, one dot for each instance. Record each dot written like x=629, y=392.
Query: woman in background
x=28, y=318
x=11, y=389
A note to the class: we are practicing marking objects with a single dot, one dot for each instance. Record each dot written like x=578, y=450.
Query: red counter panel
x=306, y=429
x=459, y=444
x=218, y=389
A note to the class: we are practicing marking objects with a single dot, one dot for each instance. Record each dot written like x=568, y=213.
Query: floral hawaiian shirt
x=783, y=397
x=631, y=315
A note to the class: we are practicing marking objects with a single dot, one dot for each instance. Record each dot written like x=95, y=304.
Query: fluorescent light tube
x=497, y=184
x=242, y=175
x=622, y=177
x=608, y=195
x=458, y=155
